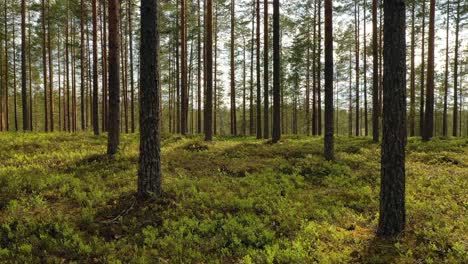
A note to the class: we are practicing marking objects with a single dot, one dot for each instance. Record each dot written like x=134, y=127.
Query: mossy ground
x=237, y=200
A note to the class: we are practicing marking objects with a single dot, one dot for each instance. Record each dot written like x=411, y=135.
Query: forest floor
x=237, y=200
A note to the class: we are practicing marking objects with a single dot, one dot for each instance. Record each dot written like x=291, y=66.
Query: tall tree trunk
x=423, y=59
x=444, y=118
x=149, y=173
x=132, y=84
x=276, y=135
x=307, y=99
x=375, y=75
x=30, y=73
x=51, y=71
x=251, y=97
x=95, y=72
x=429, y=114
x=350, y=96
x=314, y=73
x=233, y=74
x=82, y=63
x=105, y=99
x=366, y=119
x=7, y=65
x=412, y=115
x=67, y=66
x=266, y=121
x=24, y=90
x=209, y=71
x=329, y=129
x=114, y=78
x=356, y=42
x=44, y=65
x=244, y=86
x=259, y=96
x=392, y=192
x=455, y=73
x=199, y=67
x=15, y=92
x=184, y=88
x=319, y=71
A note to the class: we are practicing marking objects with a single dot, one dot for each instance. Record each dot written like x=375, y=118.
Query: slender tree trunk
x=244, y=87
x=95, y=72
x=329, y=129
x=30, y=73
x=314, y=73
x=82, y=63
x=114, y=78
x=199, y=67
x=44, y=65
x=149, y=173
x=356, y=42
x=259, y=96
x=366, y=119
x=233, y=74
x=412, y=115
x=209, y=71
x=67, y=63
x=266, y=121
x=455, y=73
x=51, y=72
x=184, y=88
x=429, y=114
x=307, y=99
x=276, y=136
x=15, y=92
x=24, y=90
x=178, y=95
x=319, y=71
x=7, y=65
x=251, y=97
x=375, y=75
x=105, y=97
x=350, y=96
x=392, y=193
x=423, y=59
x=132, y=84
x=444, y=121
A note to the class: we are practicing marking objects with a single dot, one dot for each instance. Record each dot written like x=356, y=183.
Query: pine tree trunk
x=392, y=193
x=319, y=71
x=44, y=65
x=82, y=64
x=233, y=74
x=51, y=72
x=412, y=114
x=259, y=96
x=95, y=72
x=184, y=88
x=429, y=114
x=199, y=67
x=149, y=173
x=375, y=75
x=251, y=97
x=444, y=118
x=455, y=73
x=266, y=121
x=423, y=59
x=244, y=87
x=105, y=97
x=15, y=92
x=329, y=129
x=276, y=135
x=366, y=123
x=7, y=65
x=209, y=71
x=356, y=42
x=30, y=74
x=132, y=84
x=114, y=78
x=24, y=90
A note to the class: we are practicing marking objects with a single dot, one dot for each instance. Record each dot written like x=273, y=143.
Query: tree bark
x=423, y=59
x=95, y=73
x=444, y=118
x=51, y=72
x=356, y=42
x=266, y=121
x=44, y=65
x=259, y=96
x=392, y=216
x=114, y=78
x=149, y=173
x=412, y=114
x=233, y=74
x=455, y=73
x=209, y=71
x=329, y=129
x=276, y=135
x=429, y=113
x=375, y=75
x=24, y=90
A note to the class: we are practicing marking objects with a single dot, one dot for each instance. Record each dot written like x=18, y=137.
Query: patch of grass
x=236, y=200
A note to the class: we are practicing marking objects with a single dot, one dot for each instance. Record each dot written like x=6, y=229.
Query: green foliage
x=237, y=200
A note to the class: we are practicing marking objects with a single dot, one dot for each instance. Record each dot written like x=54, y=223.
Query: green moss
x=237, y=200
